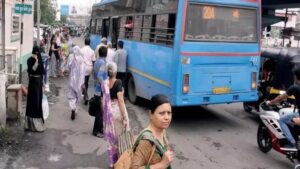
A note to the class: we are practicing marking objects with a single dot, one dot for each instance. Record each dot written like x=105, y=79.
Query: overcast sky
x=86, y=3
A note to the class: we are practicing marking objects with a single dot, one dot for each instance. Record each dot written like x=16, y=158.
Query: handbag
x=125, y=141
x=125, y=159
x=45, y=107
x=94, y=104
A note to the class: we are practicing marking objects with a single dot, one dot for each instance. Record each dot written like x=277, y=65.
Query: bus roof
x=103, y=2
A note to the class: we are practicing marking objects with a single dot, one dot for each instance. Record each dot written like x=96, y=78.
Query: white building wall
x=13, y=40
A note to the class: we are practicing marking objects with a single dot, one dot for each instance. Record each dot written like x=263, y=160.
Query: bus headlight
x=186, y=83
x=254, y=82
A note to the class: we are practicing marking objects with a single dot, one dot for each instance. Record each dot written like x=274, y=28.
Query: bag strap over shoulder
x=139, y=138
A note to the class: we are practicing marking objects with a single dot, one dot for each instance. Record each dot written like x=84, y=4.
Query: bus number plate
x=221, y=90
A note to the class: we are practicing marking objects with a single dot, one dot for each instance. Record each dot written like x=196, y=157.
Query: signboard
x=23, y=9
x=64, y=10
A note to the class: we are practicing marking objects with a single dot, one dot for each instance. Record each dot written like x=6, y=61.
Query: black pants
x=86, y=85
x=98, y=124
x=122, y=76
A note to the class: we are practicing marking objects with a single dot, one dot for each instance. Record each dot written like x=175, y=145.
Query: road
x=212, y=137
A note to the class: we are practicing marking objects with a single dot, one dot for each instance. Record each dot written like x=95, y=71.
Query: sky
x=77, y=2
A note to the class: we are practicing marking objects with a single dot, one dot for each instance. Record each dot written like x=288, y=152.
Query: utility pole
x=21, y=45
x=285, y=22
x=38, y=21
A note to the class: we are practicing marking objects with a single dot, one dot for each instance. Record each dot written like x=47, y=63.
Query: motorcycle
x=270, y=135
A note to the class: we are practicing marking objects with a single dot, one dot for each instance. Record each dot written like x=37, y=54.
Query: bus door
x=115, y=31
x=105, y=27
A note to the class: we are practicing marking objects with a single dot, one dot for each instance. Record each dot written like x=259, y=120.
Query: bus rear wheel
x=132, y=91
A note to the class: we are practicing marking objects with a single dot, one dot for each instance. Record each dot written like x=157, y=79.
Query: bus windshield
x=219, y=23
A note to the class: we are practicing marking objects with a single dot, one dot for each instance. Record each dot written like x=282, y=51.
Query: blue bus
x=196, y=52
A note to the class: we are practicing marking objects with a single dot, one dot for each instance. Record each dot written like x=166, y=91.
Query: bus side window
x=138, y=21
x=122, y=28
x=93, y=27
x=152, y=34
x=146, y=28
x=171, y=29
x=161, y=29
x=98, y=26
x=105, y=28
x=129, y=27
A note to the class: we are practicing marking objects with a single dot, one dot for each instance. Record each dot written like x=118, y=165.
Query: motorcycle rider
x=290, y=119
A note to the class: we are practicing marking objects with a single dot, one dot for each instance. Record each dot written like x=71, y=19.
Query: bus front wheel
x=132, y=91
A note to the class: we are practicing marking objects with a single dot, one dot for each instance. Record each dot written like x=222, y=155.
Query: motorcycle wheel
x=297, y=166
x=264, y=139
x=247, y=107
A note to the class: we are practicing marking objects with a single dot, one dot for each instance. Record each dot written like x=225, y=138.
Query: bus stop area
x=215, y=61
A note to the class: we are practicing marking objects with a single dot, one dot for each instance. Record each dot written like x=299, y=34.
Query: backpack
x=125, y=160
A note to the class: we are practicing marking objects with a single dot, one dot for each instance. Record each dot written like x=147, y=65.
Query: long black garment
x=35, y=89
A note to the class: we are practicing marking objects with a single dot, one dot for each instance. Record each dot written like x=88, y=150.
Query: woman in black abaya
x=34, y=114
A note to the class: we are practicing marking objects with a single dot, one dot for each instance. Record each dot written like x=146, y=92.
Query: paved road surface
x=220, y=136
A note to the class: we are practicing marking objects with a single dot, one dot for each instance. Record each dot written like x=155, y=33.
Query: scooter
x=270, y=135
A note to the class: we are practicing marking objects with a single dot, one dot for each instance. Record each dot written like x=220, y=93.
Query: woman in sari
x=34, y=114
x=153, y=151
x=115, y=114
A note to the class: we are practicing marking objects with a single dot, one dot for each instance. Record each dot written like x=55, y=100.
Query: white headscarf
x=76, y=51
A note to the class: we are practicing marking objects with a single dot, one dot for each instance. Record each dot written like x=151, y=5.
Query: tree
x=48, y=13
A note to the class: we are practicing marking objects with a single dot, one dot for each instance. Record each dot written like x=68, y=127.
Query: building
x=79, y=20
x=13, y=64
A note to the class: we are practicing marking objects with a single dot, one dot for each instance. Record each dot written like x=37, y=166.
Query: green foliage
x=48, y=13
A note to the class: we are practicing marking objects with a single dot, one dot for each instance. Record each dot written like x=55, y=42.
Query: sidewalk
x=65, y=144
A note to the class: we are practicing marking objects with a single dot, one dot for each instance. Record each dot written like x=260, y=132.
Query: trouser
x=122, y=76
x=86, y=85
x=53, y=64
x=98, y=124
x=284, y=122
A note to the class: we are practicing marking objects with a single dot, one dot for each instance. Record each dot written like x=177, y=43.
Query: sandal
x=100, y=135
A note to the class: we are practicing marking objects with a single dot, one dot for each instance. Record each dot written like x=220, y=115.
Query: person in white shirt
x=103, y=43
x=120, y=59
x=89, y=59
x=110, y=53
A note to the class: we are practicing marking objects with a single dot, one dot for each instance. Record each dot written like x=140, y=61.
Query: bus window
x=93, y=25
x=129, y=27
x=105, y=28
x=220, y=23
x=114, y=33
x=152, y=30
x=164, y=29
x=146, y=28
x=161, y=28
x=99, y=26
x=122, y=28
x=171, y=28
x=138, y=21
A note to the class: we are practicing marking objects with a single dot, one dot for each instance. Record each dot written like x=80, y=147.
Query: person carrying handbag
x=115, y=114
x=160, y=119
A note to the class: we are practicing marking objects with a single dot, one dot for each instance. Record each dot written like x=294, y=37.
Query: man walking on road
x=110, y=53
x=120, y=59
x=103, y=43
x=89, y=58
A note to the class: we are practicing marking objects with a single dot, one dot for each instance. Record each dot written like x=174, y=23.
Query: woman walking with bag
x=115, y=113
x=152, y=150
x=34, y=120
